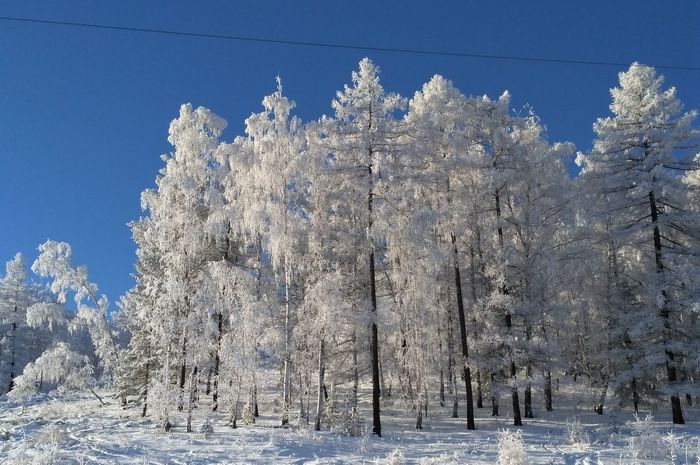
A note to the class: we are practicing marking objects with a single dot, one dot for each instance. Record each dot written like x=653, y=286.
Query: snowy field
x=79, y=430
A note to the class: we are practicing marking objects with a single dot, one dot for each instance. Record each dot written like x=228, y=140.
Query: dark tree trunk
x=287, y=378
x=665, y=314
x=207, y=390
x=191, y=397
x=442, y=388
x=479, y=391
x=548, y=391
x=217, y=361
x=13, y=355
x=256, y=410
x=494, y=396
x=145, y=388
x=528, y=402
x=374, y=342
x=517, y=420
x=183, y=372
x=463, y=339
x=321, y=385
x=598, y=408
x=355, y=373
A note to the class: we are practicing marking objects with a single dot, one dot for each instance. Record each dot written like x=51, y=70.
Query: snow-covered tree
x=21, y=338
x=633, y=172
x=54, y=262
x=357, y=142
x=273, y=199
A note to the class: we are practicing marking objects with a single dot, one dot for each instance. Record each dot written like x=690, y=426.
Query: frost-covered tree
x=54, y=262
x=360, y=138
x=182, y=233
x=273, y=199
x=68, y=370
x=634, y=167
x=442, y=158
x=20, y=339
x=536, y=219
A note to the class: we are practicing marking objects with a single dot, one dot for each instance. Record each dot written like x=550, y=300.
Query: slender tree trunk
x=442, y=388
x=376, y=418
x=601, y=400
x=517, y=420
x=528, y=402
x=451, y=360
x=286, y=396
x=256, y=411
x=635, y=395
x=217, y=362
x=494, y=396
x=145, y=386
x=374, y=342
x=190, y=403
x=13, y=342
x=472, y=279
x=479, y=391
x=355, y=373
x=234, y=406
x=528, y=374
x=665, y=314
x=548, y=391
x=321, y=380
x=463, y=338
x=183, y=372
x=300, y=415
x=440, y=360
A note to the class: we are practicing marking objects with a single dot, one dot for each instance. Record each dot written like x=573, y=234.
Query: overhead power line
x=335, y=45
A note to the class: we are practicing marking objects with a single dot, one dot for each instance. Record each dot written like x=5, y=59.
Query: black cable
x=334, y=45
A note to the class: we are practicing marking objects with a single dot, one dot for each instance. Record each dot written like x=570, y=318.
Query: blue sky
x=85, y=112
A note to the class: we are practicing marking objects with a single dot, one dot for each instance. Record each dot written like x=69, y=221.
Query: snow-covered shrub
x=576, y=434
x=395, y=457
x=347, y=422
x=511, y=449
x=645, y=442
x=45, y=449
x=247, y=414
x=672, y=443
x=442, y=459
x=51, y=434
x=207, y=428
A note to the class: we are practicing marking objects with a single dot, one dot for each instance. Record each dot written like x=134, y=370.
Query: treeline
x=436, y=247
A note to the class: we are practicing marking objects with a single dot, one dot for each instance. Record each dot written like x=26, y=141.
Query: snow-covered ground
x=79, y=430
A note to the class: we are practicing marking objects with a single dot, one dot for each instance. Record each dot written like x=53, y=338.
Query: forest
x=435, y=251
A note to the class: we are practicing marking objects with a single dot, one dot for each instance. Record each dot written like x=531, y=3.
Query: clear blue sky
x=85, y=113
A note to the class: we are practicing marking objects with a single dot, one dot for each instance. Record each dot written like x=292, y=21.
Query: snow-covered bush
x=442, y=459
x=207, y=428
x=673, y=446
x=511, y=449
x=347, y=422
x=645, y=442
x=50, y=434
x=576, y=434
x=395, y=457
x=247, y=414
